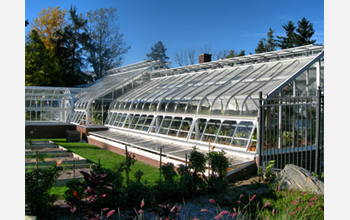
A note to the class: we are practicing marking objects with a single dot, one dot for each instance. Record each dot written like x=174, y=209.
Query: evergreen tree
x=69, y=50
x=290, y=40
x=158, y=52
x=267, y=45
x=270, y=42
x=261, y=46
x=304, y=31
x=233, y=53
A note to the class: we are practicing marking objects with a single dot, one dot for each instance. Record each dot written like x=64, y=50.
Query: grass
x=109, y=159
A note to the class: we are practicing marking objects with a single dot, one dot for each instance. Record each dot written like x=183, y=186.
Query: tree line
x=58, y=51
x=295, y=36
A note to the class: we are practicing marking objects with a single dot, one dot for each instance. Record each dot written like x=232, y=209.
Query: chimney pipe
x=204, y=57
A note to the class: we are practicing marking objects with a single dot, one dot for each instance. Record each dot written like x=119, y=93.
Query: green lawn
x=109, y=159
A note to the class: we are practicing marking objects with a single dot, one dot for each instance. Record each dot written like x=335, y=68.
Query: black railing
x=291, y=131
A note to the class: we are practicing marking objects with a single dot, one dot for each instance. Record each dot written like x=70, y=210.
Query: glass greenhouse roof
x=223, y=91
x=218, y=101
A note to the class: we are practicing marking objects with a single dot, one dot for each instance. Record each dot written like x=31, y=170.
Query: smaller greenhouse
x=50, y=104
x=91, y=108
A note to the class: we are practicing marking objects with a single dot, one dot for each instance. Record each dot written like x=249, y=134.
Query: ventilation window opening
x=109, y=117
x=117, y=119
x=128, y=121
x=185, y=126
x=165, y=125
x=242, y=134
x=148, y=123
x=140, y=123
x=198, y=129
x=211, y=130
x=113, y=118
x=174, y=126
x=226, y=131
x=252, y=144
x=134, y=121
x=156, y=124
x=122, y=120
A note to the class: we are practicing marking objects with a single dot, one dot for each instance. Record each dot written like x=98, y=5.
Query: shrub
x=197, y=161
x=219, y=163
x=37, y=190
x=168, y=172
x=136, y=192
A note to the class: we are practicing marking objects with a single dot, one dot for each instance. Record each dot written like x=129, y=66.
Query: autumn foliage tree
x=72, y=43
x=50, y=20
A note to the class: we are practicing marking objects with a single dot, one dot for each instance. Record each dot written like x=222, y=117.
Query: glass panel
x=181, y=107
x=140, y=122
x=192, y=107
x=185, y=127
x=198, y=129
x=175, y=125
x=128, y=120
x=134, y=121
x=211, y=130
x=121, y=122
x=164, y=127
x=55, y=104
x=117, y=119
x=156, y=124
x=109, y=116
x=226, y=132
x=112, y=119
x=252, y=145
x=148, y=123
x=145, y=108
x=244, y=129
x=27, y=103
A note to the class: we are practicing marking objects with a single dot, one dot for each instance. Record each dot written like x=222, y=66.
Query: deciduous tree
x=106, y=48
x=48, y=22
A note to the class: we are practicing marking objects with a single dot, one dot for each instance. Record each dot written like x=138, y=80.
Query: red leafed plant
x=90, y=197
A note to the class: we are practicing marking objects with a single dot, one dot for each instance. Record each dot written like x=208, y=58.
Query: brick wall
x=84, y=132
x=120, y=151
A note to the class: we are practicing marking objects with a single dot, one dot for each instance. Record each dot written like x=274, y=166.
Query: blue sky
x=223, y=24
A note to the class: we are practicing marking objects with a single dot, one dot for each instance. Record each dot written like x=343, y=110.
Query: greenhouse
x=213, y=102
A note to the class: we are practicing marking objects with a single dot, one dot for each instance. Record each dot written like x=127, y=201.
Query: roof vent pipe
x=204, y=57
